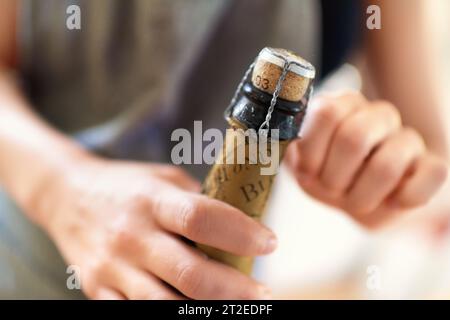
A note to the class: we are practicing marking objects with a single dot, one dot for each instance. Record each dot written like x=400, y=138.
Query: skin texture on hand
x=125, y=225
x=356, y=155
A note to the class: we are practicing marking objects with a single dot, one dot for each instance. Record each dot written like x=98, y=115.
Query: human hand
x=125, y=225
x=356, y=155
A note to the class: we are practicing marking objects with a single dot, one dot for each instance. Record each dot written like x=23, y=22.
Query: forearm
x=32, y=153
x=401, y=56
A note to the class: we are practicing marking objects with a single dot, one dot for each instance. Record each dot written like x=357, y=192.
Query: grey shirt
x=138, y=69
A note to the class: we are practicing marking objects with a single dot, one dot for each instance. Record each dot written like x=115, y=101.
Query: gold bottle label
x=241, y=185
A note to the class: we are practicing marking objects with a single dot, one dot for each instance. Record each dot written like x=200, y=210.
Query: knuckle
x=122, y=236
x=384, y=170
x=390, y=111
x=328, y=114
x=100, y=268
x=413, y=135
x=386, y=105
x=355, y=206
x=370, y=224
x=188, y=279
x=90, y=287
x=353, y=95
x=95, y=274
x=193, y=218
x=139, y=202
x=357, y=209
x=352, y=138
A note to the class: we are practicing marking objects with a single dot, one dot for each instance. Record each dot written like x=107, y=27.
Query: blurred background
x=323, y=254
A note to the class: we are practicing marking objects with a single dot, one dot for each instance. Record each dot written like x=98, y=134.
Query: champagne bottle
x=272, y=98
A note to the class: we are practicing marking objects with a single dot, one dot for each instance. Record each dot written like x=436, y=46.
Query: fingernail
x=270, y=244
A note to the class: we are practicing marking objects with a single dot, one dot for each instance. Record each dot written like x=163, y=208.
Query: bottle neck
x=251, y=108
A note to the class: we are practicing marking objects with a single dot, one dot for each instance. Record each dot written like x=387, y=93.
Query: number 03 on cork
x=264, y=116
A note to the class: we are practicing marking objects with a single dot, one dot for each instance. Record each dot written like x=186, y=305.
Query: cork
x=269, y=66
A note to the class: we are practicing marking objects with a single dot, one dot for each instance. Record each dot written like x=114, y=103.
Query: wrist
x=53, y=185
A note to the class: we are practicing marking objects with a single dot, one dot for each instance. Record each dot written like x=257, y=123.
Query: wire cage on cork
x=283, y=77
